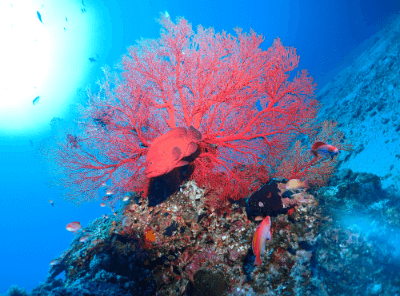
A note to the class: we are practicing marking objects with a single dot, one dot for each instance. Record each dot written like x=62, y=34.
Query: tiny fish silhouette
x=39, y=16
x=30, y=141
x=92, y=60
x=36, y=100
x=83, y=3
x=73, y=141
x=66, y=19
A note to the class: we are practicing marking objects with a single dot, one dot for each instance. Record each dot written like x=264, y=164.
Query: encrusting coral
x=171, y=247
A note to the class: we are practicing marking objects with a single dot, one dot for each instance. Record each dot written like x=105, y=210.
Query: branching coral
x=236, y=94
x=300, y=164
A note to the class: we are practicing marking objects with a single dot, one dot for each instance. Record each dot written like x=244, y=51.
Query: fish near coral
x=55, y=262
x=84, y=238
x=263, y=233
x=296, y=184
x=149, y=236
x=167, y=151
x=323, y=149
x=74, y=227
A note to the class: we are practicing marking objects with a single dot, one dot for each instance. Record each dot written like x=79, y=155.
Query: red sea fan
x=236, y=94
x=300, y=164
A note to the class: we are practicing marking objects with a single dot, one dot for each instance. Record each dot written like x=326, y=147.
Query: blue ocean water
x=63, y=55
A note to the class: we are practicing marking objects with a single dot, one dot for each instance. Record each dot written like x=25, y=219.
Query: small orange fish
x=263, y=233
x=103, y=204
x=296, y=184
x=323, y=149
x=74, y=227
x=149, y=236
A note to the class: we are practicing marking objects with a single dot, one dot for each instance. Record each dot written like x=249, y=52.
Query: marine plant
x=239, y=96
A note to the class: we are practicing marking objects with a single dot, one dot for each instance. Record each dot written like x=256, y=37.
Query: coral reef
x=358, y=251
x=184, y=247
x=16, y=291
x=340, y=240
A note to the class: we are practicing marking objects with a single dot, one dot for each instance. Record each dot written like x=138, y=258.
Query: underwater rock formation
x=364, y=99
x=179, y=246
x=183, y=247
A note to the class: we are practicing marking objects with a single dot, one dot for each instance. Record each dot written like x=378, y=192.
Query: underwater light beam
x=40, y=58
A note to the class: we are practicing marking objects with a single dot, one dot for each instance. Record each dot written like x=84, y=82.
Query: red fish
x=263, y=233
x=323, y=149
x=167, y=151
x=291, y=211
